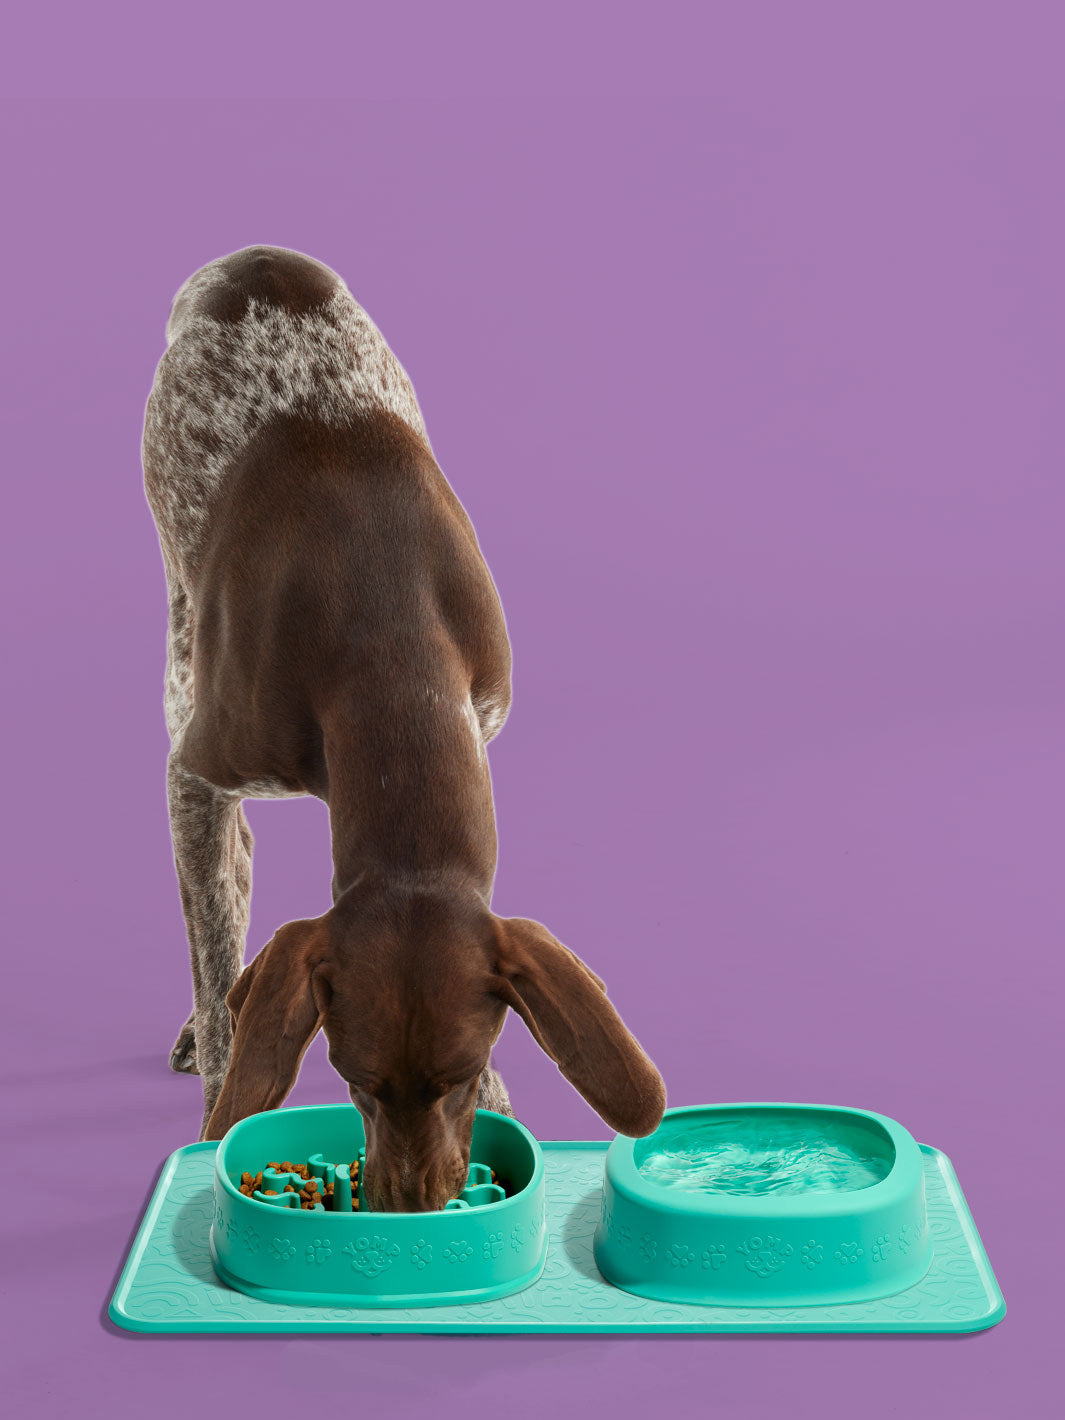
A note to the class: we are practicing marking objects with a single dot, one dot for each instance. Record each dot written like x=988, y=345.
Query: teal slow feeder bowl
x=482, y=1246
x=765, y=1205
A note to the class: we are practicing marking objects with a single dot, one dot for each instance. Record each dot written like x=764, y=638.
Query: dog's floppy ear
x=276, y=1008
x=565, y=1007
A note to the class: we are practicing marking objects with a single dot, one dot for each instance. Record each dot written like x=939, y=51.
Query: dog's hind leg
x=183, y=1057
x=212, y=854
x=177, y=701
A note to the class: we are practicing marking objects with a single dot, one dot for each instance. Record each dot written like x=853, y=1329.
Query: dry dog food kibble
x=314, y=1190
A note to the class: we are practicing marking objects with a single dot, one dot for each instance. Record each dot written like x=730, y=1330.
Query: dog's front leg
x=212, y=854
x=492, y=1093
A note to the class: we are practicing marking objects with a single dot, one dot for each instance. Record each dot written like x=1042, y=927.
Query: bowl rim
x=222, y=1174
x=903, y=1178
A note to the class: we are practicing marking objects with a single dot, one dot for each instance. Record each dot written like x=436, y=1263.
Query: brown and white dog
x=334, y=630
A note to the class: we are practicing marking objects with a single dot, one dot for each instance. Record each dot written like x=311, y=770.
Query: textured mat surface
x=169, y=1284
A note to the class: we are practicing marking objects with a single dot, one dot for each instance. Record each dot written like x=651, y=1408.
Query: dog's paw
x=183, y=1055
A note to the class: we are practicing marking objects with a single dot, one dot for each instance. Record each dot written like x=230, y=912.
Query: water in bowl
x=752, y=1155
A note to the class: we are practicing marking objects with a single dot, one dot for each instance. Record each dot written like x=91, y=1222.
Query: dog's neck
x=409, y=790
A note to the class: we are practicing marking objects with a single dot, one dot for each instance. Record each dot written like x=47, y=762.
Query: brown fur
x=335, y=631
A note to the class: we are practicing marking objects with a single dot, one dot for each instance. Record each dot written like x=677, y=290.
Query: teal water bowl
x=485, y=1244
x=765, y=1205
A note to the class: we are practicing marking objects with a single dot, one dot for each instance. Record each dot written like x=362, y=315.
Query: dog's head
x=412, y=990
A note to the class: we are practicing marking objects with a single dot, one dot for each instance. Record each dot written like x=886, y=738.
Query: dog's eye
x=438, y=1089
x=453, y=1090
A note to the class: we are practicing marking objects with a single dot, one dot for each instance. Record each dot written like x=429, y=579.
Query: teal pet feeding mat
x=169, y=1283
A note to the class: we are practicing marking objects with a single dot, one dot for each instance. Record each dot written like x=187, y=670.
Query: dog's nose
x=407, y=1192
x=400, y=1198
x=416, y=1201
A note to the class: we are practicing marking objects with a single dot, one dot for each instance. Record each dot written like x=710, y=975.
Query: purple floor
x=742, y=344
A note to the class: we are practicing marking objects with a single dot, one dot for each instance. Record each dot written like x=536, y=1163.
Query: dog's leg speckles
x=492, y=1093
x=183, y=1055
x=177, y=690
x=212, y=854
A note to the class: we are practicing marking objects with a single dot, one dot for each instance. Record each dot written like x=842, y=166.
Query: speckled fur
x=217, y=384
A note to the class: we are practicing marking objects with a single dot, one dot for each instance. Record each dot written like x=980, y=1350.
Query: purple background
x=741, y=341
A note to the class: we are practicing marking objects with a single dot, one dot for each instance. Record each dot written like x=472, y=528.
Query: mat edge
x=138, y=1326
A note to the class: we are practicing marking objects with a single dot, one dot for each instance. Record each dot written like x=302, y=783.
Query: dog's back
x=314, y=550
x=252, y=337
